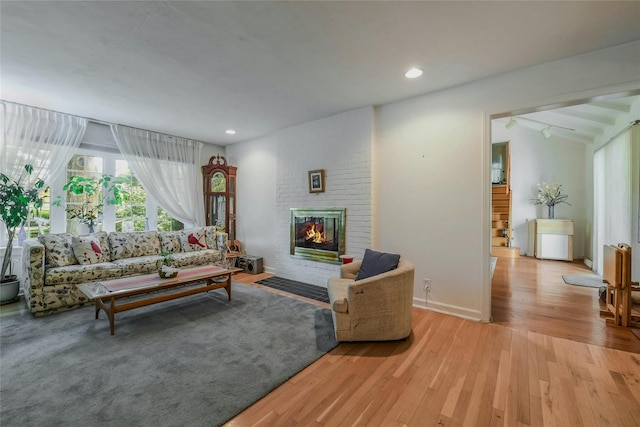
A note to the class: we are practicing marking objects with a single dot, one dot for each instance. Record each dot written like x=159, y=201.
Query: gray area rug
x=582, y=280
x=195, y=361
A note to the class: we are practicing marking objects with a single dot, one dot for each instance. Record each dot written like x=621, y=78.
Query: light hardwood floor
x=547, y=360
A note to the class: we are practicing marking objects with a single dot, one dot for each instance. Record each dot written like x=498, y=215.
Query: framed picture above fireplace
x=316, y=181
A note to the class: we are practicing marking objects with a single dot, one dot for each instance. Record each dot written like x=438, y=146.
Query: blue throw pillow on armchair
x=375, y=263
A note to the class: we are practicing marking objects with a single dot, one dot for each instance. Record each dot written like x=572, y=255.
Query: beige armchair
x=374, y=309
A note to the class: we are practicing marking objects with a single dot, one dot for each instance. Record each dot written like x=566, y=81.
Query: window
x=136, y=211
x=38, y=222
x=80, y=205
x=131, y=215
x=166, y=223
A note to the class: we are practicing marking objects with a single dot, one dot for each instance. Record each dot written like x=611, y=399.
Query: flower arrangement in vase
x=550, y=195
x=166, y=271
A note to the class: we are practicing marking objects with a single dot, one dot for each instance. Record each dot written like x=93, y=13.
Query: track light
x=545, y=132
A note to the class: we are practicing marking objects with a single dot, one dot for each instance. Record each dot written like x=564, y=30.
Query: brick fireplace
x=318, y=234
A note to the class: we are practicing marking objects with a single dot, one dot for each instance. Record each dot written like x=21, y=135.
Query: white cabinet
x=551, y=239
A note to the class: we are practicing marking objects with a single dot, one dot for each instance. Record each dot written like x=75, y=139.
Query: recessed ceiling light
x=413, y=73
x=230, y=132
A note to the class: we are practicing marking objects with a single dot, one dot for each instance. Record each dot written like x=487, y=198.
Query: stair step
x=512, y=252
x=498, y=241
x=503, y=223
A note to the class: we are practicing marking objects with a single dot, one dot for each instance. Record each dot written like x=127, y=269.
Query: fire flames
x=314, y=235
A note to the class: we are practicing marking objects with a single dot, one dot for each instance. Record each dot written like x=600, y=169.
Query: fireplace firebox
x=318, y=234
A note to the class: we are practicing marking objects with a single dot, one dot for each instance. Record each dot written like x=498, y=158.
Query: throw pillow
x=170, y=241
x=87, y=250
x=193, y=240
x=374, y=263
x=103, y=240
x=59, y=252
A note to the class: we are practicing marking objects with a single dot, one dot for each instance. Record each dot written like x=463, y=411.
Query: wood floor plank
x=547, y=360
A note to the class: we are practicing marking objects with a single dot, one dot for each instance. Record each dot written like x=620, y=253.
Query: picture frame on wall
x=316, y=181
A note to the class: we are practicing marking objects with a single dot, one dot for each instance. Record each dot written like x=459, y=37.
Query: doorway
x=528, y=293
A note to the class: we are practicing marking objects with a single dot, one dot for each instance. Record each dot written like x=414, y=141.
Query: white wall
x=433, y=171
x=430, y=171
x=534, y=160
x=272, y=179
x=256, y=197
x=635, y=204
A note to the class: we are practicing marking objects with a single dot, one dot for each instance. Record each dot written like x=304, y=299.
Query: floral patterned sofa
x=54, y=264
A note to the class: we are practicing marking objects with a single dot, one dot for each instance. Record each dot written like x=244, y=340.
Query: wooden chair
x=617, y=276
x=234, y=250
x=612, y=278
x=628, y=287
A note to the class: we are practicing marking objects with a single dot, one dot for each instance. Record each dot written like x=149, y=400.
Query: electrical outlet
x=427, y=285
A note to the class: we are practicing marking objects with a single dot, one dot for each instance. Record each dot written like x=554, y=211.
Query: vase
x=22, y=236
x=91, y=227
x=551, y=213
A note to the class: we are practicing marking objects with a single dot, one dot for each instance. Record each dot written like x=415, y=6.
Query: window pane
x=166, y=223
x=38, y=222
x=131, y=214
x=81, y=206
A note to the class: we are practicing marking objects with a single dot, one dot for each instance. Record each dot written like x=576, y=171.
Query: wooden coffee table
x=151, y=289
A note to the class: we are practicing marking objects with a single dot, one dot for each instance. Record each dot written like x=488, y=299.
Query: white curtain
x=612, y=195
x=168, y=168
x=43, y=139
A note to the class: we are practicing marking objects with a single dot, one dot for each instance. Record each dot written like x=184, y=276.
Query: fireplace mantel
x=318, y=234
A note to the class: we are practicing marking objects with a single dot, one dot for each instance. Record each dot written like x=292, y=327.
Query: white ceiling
x=585, y=122
x=194, y=69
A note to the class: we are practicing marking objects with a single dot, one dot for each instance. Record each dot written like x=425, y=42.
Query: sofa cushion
x=170, y=241
x=134, y=244
x=221, y=241
x=87, y=250
x=189, y=259
x=58, y=249
x=82, y=273
x=374, y=263
x=139, y=265
x=193, y=239
x=210, y=232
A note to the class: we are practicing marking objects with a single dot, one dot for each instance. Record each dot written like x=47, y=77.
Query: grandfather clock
x=220, y=194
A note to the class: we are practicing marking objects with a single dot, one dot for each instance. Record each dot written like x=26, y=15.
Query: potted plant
x=16, y=200
x=166, y=271
x=90, y=209
x=550, y=195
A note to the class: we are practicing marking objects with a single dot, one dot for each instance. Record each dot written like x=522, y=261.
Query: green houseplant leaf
x=16, y=200
x=114, y=189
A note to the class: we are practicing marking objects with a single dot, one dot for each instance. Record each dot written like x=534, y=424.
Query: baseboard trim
x=270, y=270
x=453, y=310
x=588, y=262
